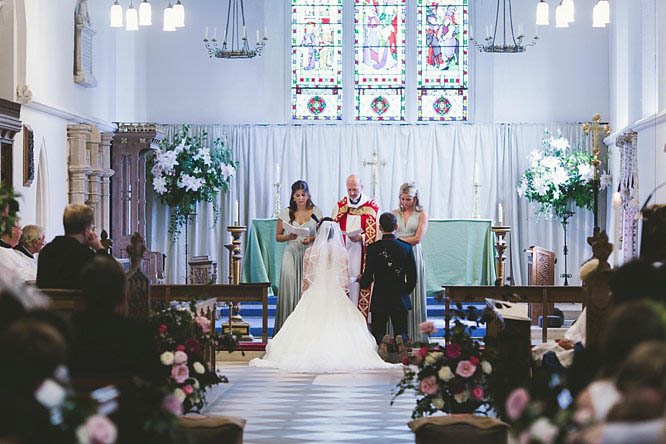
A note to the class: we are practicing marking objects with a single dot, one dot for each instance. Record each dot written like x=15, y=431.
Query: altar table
x=456, y=252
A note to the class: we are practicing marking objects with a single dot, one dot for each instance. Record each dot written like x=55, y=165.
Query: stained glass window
x=379, y=59
x=442, y=64
x=316, y=59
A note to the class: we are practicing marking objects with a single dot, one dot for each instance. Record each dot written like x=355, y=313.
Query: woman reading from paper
x=296, y=226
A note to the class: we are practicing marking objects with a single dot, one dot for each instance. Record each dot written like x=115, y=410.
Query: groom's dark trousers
x=390, y=264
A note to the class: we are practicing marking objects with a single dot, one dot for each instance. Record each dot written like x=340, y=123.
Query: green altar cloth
x=456, y=252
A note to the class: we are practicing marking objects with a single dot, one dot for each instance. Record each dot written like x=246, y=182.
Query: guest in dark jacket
x=390, y=264
x=61, y=260
x=107, y=344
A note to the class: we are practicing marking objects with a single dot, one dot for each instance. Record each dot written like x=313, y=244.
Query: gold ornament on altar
x=236, y=324
x=597, y=129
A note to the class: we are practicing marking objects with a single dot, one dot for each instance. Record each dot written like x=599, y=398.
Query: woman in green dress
x=301, y=213
x=412, y=226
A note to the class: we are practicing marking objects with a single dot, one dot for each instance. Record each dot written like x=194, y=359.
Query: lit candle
x=487, y=31
x=206, y=33
x=500, y=215
x=265, y=31
x=236, y=212
x=214, y=33
x=476, y=173
x=277, y=169
x=258, y=36
x=520, y=29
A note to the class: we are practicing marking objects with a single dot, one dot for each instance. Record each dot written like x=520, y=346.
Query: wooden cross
x=374, y=163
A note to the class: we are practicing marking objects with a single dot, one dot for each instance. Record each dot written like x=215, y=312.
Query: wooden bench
x=526, y=293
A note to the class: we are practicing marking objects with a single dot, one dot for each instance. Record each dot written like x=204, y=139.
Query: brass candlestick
x=500, y=247
x=236, y=324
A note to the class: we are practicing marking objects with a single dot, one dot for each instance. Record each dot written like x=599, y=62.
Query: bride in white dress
x=325, y=333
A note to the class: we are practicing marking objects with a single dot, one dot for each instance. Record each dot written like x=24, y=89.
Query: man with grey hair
x=31, y=243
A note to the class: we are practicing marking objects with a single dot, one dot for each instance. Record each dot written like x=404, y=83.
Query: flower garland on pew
x=185, y=171
x=181, y=338
x=451, y=378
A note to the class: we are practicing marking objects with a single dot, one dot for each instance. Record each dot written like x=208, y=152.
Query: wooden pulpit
x=10, y=125
x=540, y=272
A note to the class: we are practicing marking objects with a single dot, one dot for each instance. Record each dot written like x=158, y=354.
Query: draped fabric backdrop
x=439, y=158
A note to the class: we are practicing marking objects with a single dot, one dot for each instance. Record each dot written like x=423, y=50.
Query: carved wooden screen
x=541, y=271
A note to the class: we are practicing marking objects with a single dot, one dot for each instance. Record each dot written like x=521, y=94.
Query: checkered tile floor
x=302, y=408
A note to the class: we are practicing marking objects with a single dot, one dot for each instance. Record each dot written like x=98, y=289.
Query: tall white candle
x=214, y=33
x=236, y=212
x=500, y=215
x=206, y=32
x=520, y=29
x=487, y=31
x=476, y=173
x=265, y=31
x=258, y=36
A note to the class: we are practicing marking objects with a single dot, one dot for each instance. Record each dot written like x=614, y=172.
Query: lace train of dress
x=325, y=333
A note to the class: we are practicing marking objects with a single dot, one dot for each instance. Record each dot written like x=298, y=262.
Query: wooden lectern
x=540, y=272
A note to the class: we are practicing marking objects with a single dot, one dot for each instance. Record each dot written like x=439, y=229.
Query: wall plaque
x=83, y=46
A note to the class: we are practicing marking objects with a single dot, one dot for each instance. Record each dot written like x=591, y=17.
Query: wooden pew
x=528, y=293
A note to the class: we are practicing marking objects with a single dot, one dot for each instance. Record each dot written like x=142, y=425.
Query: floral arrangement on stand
x=559, y=176
x=182, y=338
x=451, y=378
x=185, y=171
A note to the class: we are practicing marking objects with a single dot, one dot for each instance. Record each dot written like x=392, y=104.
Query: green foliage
x=8, y=208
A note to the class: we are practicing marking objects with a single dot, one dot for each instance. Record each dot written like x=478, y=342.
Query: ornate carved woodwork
x=541, y=272
x=10, y=125
x=28, y=156
x=89, y=169
x=129, y=146
x=598, y=298
x=627, y=220
x=203, y=271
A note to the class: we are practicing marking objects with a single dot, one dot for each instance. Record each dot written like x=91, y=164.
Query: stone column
x=94, y=178
x=107, y=172
x=78, y=162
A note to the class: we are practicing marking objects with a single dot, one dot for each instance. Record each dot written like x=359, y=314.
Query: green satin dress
x=418, y=313
x=291, y=273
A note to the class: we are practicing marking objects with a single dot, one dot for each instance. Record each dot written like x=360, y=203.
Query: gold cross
x=374, y=163
x=596, y=129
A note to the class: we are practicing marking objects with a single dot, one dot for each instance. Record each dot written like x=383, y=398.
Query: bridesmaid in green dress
x=412, y=226
x=301, y=213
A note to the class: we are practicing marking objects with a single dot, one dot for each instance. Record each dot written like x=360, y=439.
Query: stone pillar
x=78, y=162
x=94, y=177
x=107, y=172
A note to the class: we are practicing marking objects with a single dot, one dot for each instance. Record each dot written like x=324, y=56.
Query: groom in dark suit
x=390, y=264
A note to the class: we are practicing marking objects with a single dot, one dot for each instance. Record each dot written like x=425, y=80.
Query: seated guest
x=61, y=260
x=107, y=344
x=8, y=240
x=628, y=326
x=31, y=243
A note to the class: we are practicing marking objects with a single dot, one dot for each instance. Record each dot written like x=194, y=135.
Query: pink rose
x=405, y=360
x=180, y=373
x=453, y=350
x=423, y=352
x=465, y=369
x=188, y=389
x=180, y=348
x=173, y=405
x=428, y=386
x=427, y=327
x=204, y=323
x=100, y=430
x=474, y=360
x=516, y=403
x=163, y=329
x=180, y=357
x=477, y=393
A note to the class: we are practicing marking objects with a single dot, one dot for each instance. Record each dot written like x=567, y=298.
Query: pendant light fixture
x=569, y=7
x=145, y=14
x=131, y=18
x=542, y=13
x=561, y=16
x=179, y=14
x=169, y=19
x=116, y=15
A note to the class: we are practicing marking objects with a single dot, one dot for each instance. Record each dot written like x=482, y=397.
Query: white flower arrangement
x=557, y=176
x=185, y=172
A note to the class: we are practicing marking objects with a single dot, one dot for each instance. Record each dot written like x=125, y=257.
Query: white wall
x=563, y=78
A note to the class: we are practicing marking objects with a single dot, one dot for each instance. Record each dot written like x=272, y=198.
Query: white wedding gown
x=326, y=332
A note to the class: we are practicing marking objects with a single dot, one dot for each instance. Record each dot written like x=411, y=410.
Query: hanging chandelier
x=235, y=44
x=564, y=14
x=174, y=16
x=507, y=41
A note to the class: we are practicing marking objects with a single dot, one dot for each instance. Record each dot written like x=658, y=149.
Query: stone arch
x=12, y=48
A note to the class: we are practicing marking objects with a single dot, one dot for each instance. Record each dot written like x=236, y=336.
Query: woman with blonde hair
x=412, y=226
